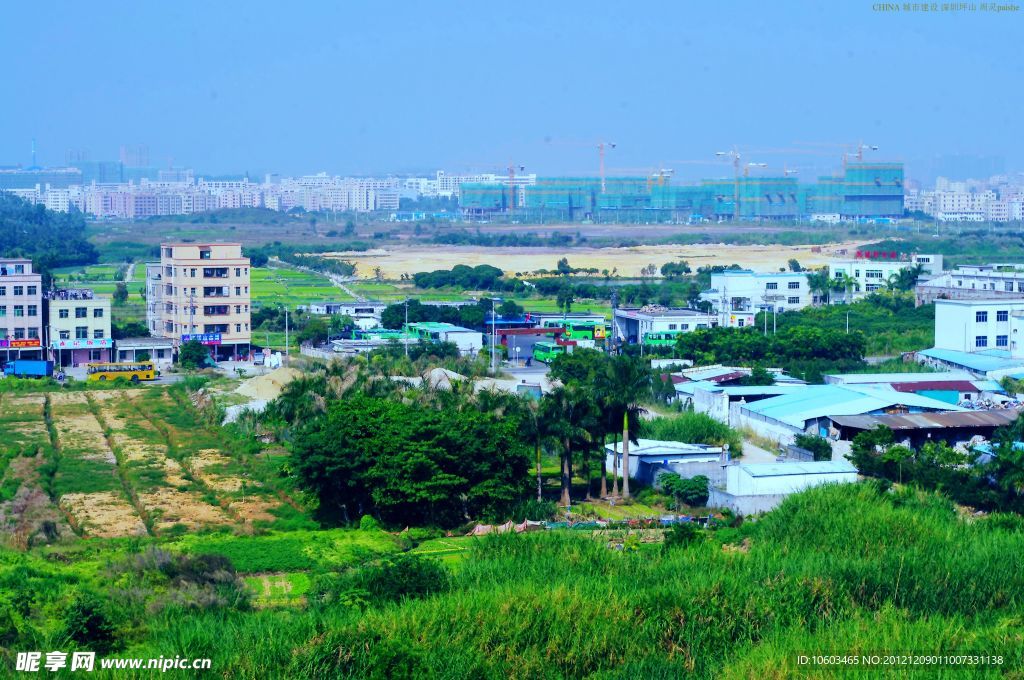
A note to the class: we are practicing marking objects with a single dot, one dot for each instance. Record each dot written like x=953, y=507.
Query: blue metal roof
x=980, y=362
x=819, y=401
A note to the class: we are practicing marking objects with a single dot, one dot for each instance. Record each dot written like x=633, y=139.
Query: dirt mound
x=268, y=386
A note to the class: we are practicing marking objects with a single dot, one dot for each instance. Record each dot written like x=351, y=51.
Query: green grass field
x=289, y=287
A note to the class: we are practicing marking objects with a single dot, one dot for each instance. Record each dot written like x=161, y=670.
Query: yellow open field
x=629, y=261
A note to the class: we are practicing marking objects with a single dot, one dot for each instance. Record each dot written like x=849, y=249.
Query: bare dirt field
x=629, y=261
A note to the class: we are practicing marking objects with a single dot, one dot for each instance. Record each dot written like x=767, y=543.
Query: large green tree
x=410, y=463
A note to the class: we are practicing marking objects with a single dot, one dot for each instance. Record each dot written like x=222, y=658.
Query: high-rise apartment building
x=205, y=296
x=21, y=310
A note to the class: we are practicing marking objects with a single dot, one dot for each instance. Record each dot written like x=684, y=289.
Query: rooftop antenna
x=33, y=152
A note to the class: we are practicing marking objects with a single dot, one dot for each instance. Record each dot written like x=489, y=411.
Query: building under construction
x=864, y=192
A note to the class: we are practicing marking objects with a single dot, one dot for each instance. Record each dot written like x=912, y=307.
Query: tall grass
x=834, y=569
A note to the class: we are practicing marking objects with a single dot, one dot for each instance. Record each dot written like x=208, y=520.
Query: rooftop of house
x=819, y=401
x=659, y=449
x=824, y=467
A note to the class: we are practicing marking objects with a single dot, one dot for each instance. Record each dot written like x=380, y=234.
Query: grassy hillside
x=840, y=570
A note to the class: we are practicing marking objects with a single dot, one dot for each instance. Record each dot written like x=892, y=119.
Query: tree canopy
x=410, y=463
x=50, y=239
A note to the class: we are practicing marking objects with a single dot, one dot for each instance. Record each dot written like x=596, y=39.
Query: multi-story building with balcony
x=744, y=290
x=204, y=295
x=21, y=310
x=78, y=327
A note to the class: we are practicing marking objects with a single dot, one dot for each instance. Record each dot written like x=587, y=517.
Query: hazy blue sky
x=364, y=87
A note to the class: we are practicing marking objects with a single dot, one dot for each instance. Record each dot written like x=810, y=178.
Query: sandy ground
x=629, y=261
x=268, y=386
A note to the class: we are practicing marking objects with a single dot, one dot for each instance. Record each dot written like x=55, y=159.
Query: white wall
x=739, y=483
x=957, y=324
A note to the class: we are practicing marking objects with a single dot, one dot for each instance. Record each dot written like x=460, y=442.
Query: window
x=19, y=333
x=873, y=274
x=1002, y=340
x=981, y=317
x=33, y=310
x=62, y=313
x=981, y=341
x=19, y=290
x=97, y=334
x=81, y=312
x=771, y=286
x=192, y=272
x=238, y=328
x=739, y=322
x=1003, y=315
x=33, y=333
x=1008, y=286
x=65, y=334
x=97, y=313
x=794, y=285
x=3, y=291
x=793, y=300
x=238, y=309
x=204, y=254
x=32, y=290
x=95, y=355
x=672, y=326
x=3, y=310
x=238, y=270
x=159, y=354
x=238, y=290
x=19, y=269
x=19, y=310
x=81, y=332
x=215, y=272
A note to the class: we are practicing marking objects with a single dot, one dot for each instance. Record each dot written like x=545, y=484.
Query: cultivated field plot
x=25, y=508
x=277, y=285
x=124, y=462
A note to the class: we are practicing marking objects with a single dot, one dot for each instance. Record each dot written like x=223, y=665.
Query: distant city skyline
x=259, y=87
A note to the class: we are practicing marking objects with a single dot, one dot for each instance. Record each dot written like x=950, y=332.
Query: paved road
x=752, y=453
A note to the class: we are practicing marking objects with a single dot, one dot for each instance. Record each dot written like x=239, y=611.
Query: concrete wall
x=713, y=403
x=744, y=505
x=777, y=432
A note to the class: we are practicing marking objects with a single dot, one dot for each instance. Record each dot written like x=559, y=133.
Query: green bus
x=547, y=351
x=662, y=339
x=579, y=330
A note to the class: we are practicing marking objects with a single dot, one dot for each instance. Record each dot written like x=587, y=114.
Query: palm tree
x=845, y=282
x=566, y=412
x=629, y=382
x=819, y=284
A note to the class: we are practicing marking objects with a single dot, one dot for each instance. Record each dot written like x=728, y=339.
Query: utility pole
x=494, y=334
x=286, y=335
x=405, y=330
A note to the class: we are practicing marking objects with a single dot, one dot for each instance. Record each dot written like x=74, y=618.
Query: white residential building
x=640, y=325
x=749, y=291
x=871, y=269
x=974, y=282
x=979, y=325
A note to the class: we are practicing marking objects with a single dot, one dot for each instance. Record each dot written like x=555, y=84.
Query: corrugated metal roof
x=824, y=467
x=869, y=378
x=926, y=421
x=974, y=361
x=819, y=401
x=958, y=385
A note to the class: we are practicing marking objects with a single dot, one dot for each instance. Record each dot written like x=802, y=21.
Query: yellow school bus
x=139, y=370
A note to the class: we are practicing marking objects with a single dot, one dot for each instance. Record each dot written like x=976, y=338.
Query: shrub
x=819, y=446
x=368, y=523
x=680, y=535
x=692, y=492
x=87, y=622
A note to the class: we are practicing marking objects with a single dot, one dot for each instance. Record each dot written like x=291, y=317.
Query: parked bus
x=662, y=339
x=579, y=330
x=547, y=351
x=140, y=370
